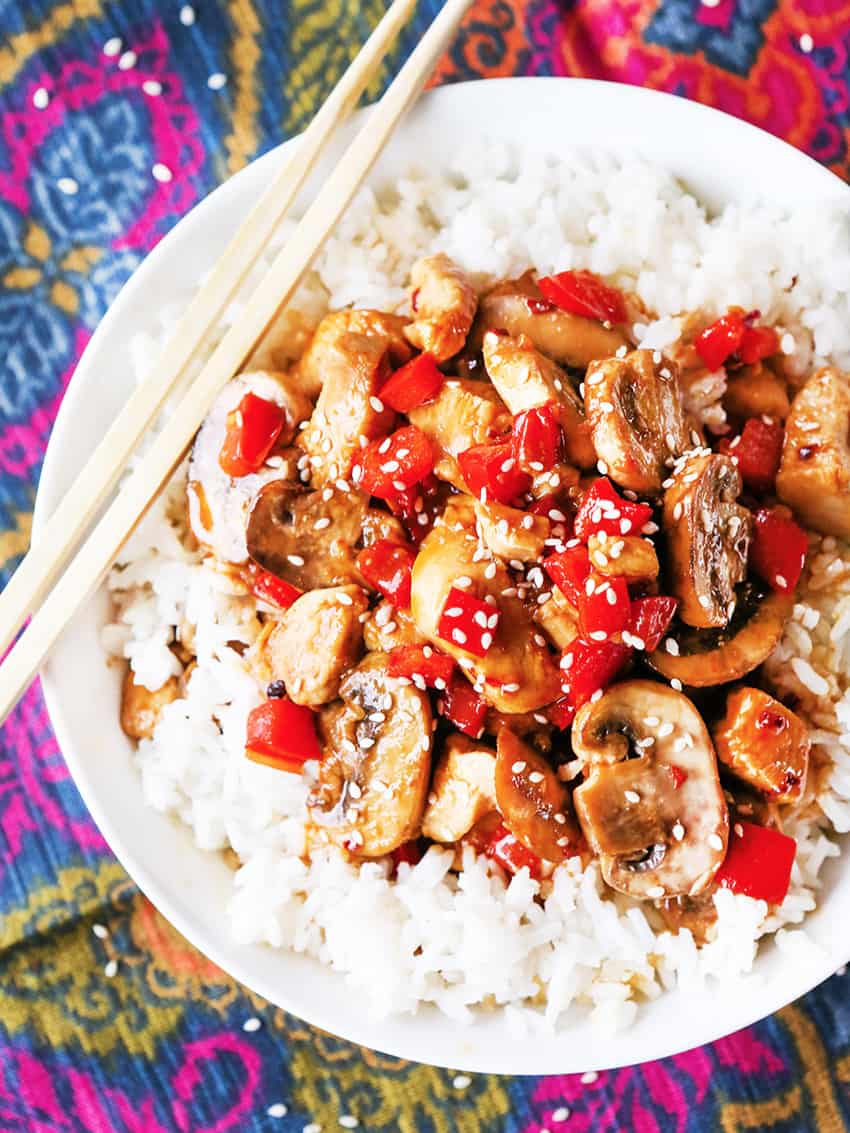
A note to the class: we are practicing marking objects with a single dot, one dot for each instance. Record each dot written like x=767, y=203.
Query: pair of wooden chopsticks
x=29, y=590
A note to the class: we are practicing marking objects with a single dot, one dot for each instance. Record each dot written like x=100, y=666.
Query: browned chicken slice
x=651, y=805
x=628, y=556
x=373, y=778
x=708, y=537
x=464, y=413
x=634, y=406
x=755, y=391
x=558, y=618
x=463, y=789
x=764, y=743
x=310, y=370
x=387, y=627
x=141, y=707
x=379, y=524
x=356, y=366
x=814, y=477
x=443, y=302
x=511, y=533
x=533, y=801
x=525, y=379
x=284, y=342
x=319, y=637
x=518, y=307
x=517, y=674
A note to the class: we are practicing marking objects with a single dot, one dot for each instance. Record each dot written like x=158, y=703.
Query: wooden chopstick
x=167, y=448
x=31, y=582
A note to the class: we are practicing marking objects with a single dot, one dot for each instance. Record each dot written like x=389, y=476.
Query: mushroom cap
x=533, y=801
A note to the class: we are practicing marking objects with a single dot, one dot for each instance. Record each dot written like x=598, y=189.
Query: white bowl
x=720, y=159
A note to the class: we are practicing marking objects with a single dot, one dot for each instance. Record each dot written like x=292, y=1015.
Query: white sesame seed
x=322, y=523
x=252, y=1024
x=100, y=931
x=787, y=344
x=40, y=98
x=161, y=173
x=461, y=1081
x=806, y=43
x=631, y=796
x=376, y=404
x=278, y=1109
x=678, y=832
x=486, y=640
x=295, y=560
x=110, y=969
x=676, y=684
x=127, y=61
x=739, y=830
x=112, y=46
x=216, y=80
x=656, y=892
x=313, y=1127
x=187, y=15
x=519, y=766
x=345, y=599
x=512, y=686
x=598, y=635
x=782, y=581
x=666, y=729
x=348, y=1121
x=671, y=647
x=560, y=1114
x=590, y=1076
x=535, y=777
x=715, y=841
x=459, y=636
x=68, y=186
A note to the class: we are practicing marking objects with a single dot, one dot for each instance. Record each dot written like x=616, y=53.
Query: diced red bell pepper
x=758, y=863
x=536, y=438
x=393, y=464
x=468, y=622
x=757, y=452
x=678, y=774
x=493, y=469
x=251, y=434
x=650, y=620
x=584, y=293
x=553, y=509
x=464, y=707
x=408, y=853
x=282, y=735
x=569, y=569
x=758, y=343
x=416, y=383
x=606, y=610
x=721, y=339
x=778, y=549
x=386, y=566
x=562, y=713
x=274, y=590
x=508, y=852
x=588, y=666
x=423, y=661
x=418, y=507
x=604, y=509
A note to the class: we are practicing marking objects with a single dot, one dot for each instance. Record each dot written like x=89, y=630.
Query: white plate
x=718, y=158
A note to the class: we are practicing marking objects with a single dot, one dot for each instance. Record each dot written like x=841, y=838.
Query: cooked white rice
x=471, y=939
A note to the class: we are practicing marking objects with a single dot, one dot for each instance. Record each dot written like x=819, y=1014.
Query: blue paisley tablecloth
x=116, y=116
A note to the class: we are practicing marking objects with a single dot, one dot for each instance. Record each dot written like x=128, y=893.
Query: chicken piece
x=388, y=627
x=628, y=556
x=765, y=744
x=311, y=368
x=379, y=524
x=443, y=303
x=464, y=413
x=518, y=672
x=518, y=307
x=525, y=378
x=284, y=343
x=708, y=538
x=141, y=707
x=319, y=637
x=562, y=480
x=634, y=406
x=463, y=789
x=218, y=503
x=814, y=476
x=373, y=778
x=356, y=366
x=654, y=812
x=511, y=533
x=558, y=619
x=533, y=801
x=755, y=391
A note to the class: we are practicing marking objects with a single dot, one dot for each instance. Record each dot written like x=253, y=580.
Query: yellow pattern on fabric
x=241, y=143
x=78, y=892
x=37, y=241
x=735, y=1117
x=63, y=296
x=16, y=540
x=817, y=1078
x=18, y=49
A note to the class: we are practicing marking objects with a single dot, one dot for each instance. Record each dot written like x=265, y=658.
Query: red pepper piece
x=468, y=622
x=393, y=464
x=504, y=849
x=536, y=438
x=408, y=853
x=418, y=507
x=778, y=549
x=274, y=590
x=569, y=569
x=584, y=293
x=607, y=609
x=282, y=735
x=604, y=509
x=251, y=434
x=588, y=666
x=553, y=509
x=758, y=863
x=423, y=661
x=758, y=343
x=562, y=713
x=386, y=566
x=678, y=774
x=464, y=707
x=757, y=452
x=650, y=619
x=720, y=340
x=416, y=383
x=493, y=469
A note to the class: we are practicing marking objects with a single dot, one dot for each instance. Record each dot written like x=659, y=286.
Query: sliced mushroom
x=141, y=707
x=634, y=406
x=511, y=533
x=318, y=638
x=307, y=538
x=700, y=658
x=631, y=557
x=525, y=378
x=533, y=801
x=464, y=413
x=764, y=743
x=651, y=805
x=387, y=627
x=463, y=789
x=814, y=477
x=517, y=673
x=311, y=368
x=518, y=307
x=373, y=778
x=444, y=303
x=708, y=537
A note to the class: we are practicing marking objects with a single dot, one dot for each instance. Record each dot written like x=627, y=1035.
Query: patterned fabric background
x=116, y=116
